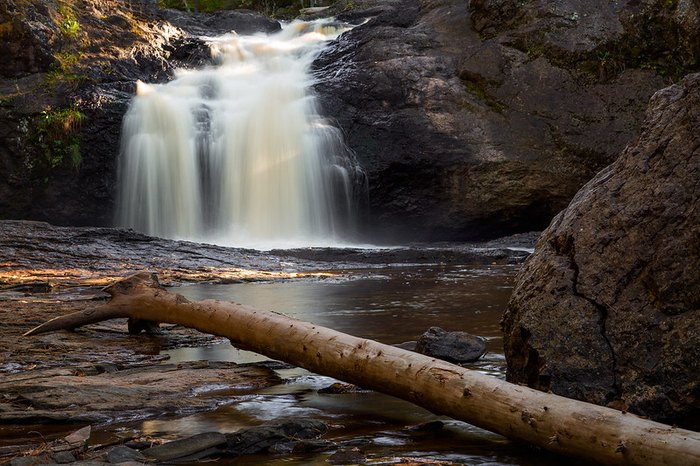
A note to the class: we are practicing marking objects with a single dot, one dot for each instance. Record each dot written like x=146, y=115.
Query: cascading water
x=237, y=154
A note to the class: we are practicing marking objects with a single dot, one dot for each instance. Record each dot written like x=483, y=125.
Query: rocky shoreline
x=102, y=376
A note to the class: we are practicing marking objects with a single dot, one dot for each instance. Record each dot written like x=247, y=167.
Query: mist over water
x=237, y=154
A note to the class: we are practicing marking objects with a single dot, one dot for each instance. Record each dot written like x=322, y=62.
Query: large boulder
x=607, y=309
x=483, y=118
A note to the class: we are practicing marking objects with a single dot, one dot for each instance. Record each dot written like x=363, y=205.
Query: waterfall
x=237, y=154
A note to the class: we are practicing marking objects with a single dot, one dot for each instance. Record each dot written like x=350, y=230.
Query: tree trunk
x=552, y=422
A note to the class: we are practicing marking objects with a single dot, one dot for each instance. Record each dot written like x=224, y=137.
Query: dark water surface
x=391, y=305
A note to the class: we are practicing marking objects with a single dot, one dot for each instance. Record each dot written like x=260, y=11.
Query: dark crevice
x=564, y=245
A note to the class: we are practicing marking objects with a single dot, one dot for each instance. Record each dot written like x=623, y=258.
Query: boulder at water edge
x=607, y=309
x=457, y=347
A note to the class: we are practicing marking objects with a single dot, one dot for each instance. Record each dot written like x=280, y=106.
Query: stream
x=390, y=305
x=391, y=295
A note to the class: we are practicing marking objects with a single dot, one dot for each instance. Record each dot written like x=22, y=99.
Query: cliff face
x=607, y=309
x=476, y=119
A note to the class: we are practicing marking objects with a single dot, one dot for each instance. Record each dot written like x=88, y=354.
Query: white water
x=237, y=154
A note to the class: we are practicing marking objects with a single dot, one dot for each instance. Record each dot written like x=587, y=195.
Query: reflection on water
x=392, y=306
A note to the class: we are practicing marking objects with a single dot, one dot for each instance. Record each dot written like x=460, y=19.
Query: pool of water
x=390, y=305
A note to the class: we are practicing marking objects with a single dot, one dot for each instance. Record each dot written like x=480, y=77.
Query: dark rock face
x=471, y=122
x=26, y=46
x=221, y=22
x=458, y=347
x=607, y=309
x=263, y=438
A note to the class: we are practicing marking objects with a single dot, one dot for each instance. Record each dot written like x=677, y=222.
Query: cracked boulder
x=607, y=309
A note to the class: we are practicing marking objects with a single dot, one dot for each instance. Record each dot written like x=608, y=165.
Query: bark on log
x=552, y=422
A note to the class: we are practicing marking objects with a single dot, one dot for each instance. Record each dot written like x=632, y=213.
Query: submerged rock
x=347, y=456
x=457, y=347
x=263, y=438
x=122, y=454
x=606, y=309
x=185, y=447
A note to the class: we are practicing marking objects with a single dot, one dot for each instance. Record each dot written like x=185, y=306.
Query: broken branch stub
x=549, y=421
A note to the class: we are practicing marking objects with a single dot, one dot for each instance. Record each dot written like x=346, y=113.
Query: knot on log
x=126, y=286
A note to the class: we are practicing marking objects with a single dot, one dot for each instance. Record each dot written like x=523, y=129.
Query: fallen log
x=549, y=421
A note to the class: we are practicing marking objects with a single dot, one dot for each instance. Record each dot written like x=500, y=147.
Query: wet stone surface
x=457, y=347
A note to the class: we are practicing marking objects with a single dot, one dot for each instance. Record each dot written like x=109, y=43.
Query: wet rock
x=106, y=367
x=475, y=133
x=241, y=22
x=31, y=460
x=63, y=457
x=339, y=388
x=445, y=253
x=605, y=310
x=123, y=454
x=313, y=446
x=30, y=246
x=138, y=444
x=56, y=395
x=97, y=463
x=27, y=246
x=136, y=326
x=185, y=447
x=407, y=345
x=458, y=347
x=428, y=427
x=262, y=438
x=347, y=456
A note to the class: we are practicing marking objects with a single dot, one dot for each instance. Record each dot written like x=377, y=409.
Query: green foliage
x=64, y=69
x=70, y=27
x=56, y=133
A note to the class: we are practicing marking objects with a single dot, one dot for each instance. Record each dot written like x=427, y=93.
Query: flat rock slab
x=62, y=395
x=185, y=447
x=37, y=257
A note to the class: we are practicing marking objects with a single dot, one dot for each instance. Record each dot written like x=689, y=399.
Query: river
x=391, y=305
